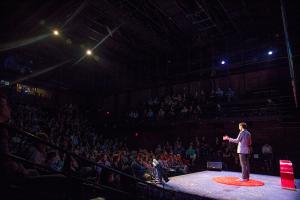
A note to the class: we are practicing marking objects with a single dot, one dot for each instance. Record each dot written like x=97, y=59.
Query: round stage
x=230, y=180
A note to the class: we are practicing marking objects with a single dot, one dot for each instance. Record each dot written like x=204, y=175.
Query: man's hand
x=225, y=137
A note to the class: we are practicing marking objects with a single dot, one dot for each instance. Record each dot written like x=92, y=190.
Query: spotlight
x=223, y=62
x=270, y=52
x=55, y=32
x=88, y=52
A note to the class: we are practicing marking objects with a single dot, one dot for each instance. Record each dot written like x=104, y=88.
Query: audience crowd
x=70, y=128
x=183, y=105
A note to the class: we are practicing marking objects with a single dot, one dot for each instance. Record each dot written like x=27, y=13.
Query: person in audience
x=219, y=110
x=219, y=94
x=197, y=111
x=135, y=115
x=150, y=114
x=168, y=147
x=267, y=155
x=227, y=158
x=9, y=169
x=37, y=153
x=101, y=160
x=54, y=162
x=158, y=149
x=137, y=168
x=116, y=165
x=191, y=154
x=230, y=95
x=178, y=149
x=163, y=160
x=184, y=112
x=161, y=113
x=202, y=97
x=125, y=163
x=203, y=141
x=75, y=139
x=179, y=164
x=212, y=95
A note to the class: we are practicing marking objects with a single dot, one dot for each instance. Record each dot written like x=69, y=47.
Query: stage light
x=88, y=52
x=55, y=32
x=223, y=62
x=270, y=52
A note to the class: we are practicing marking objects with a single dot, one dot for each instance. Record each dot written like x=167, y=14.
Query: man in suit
x=244, y=145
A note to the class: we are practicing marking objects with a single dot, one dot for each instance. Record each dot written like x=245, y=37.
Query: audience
x=71, y=128
x=182, y=106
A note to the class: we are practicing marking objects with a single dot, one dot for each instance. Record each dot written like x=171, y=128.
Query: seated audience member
x=161, y=113
x=267, y=155
x=116, y=165
x=184, y=109
x=135, y=114
x=98, y=169
x=179, y=165
x=163, y=160
x=197, y=112
x=191, y=154
x=212, y=94
x=74, y=165
x=202, y=97
x=138, y=169
x=9, y=169
x=54, y=162
x=158, y=149
x=219, y=110
x=227, y=158
x=230, y=95
x=219, y=94
x=37, y=153
x=150, y=114
x=178, y=150
x=103, y=175
x=125, y=162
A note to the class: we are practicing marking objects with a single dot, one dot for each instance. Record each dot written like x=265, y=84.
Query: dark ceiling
x=154, y=36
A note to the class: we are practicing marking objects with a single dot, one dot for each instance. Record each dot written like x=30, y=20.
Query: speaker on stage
x=217, y=166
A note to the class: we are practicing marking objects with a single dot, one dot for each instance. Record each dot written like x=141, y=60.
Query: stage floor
x=201, y=184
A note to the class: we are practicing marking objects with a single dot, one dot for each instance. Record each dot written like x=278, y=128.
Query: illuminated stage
x=203, y=185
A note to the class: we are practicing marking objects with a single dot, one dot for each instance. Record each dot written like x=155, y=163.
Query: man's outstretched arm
x=237, y=140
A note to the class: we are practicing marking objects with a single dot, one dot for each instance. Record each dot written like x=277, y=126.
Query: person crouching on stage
x=159, y=172
x=244, y=145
